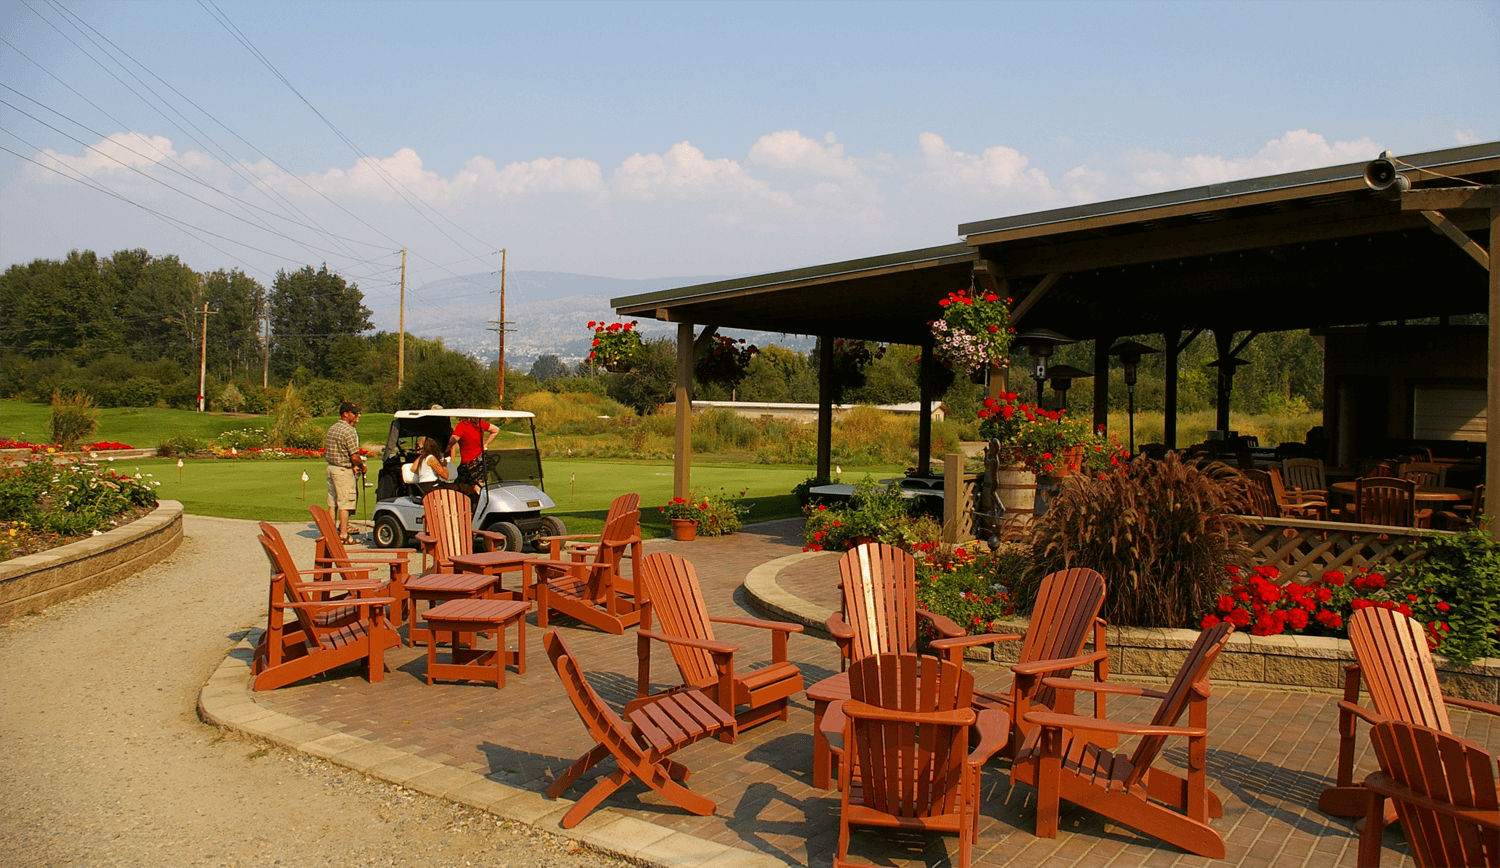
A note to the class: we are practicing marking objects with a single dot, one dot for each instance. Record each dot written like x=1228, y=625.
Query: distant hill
x=549, y=312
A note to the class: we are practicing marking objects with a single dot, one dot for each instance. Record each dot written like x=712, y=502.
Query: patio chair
x=1305, y=475
x=1444, y=792
x=331, y=553
x=1131, y=790
x=641, y=746
x=1296, y=503
x=906, y=727
x=1260, y=497
x=1390, y=501
x=1423, y=473
x=673, y=594
x=1066, y=612
x=1463, y=515
x=448, y=518
x=587, y=543
x=591, y=589
x=329, y=632
x=1395, y=666
x=880, y=611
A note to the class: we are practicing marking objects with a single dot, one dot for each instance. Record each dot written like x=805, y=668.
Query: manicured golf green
x=274, y=491
x=147, y=427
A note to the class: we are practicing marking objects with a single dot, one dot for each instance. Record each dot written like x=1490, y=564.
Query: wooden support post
x=1222, y=337
x=825, y=406
x=924, y=413
x=682, y=465
x=1169, y=419
x=1492, y=412
x=1102, y=343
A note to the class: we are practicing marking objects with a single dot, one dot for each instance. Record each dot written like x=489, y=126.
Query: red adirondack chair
x=674, y=597
x=1066, y=612
x=655, y=730
x=1395, y=666
x=449, y=528
x=588, y=543
x=1444, y=792
x=329, y=632
x=880, y=611
x=1129, y=790
x=330, y=553
x=907, y=728
x=591, y=589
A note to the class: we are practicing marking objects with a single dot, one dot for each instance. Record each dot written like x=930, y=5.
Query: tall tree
x=310, y=312
x=160, y=306
x=50, y=306
x=234, y=331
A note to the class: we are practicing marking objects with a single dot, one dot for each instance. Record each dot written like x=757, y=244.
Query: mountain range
x=547, y=311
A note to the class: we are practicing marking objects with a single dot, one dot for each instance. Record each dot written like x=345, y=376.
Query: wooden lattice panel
x=1303, y=550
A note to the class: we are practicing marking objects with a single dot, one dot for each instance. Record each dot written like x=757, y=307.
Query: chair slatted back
x=671, y=584
x=911, y=767
x=1446, y=769
x=1066, y=611
x=1396, y=669
x=1191, y=679
x=623, y=505
x=604, y=725
x=1423, y=473
x=285, y=585
x=1304, y=473
x=330, y=544
x=1262, y=496
x=1386, y=500
x=448, y=520
x=880, y=599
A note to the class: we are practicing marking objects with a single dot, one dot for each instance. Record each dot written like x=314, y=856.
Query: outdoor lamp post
x=1040, y=343
x=1130, y=353
x=1062, y=377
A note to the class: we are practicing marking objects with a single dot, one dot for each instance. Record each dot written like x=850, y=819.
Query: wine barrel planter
x=1017, y=487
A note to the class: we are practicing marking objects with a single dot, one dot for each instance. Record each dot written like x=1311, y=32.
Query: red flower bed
x=106, y=446
x=101, y=446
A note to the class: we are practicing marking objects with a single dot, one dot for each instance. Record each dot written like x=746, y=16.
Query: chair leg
x=597, y=794
x=576, y=770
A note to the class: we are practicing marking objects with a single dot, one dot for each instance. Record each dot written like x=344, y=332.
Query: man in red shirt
x=473, y=436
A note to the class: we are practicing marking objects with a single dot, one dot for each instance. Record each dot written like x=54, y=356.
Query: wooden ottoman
x=457, y=617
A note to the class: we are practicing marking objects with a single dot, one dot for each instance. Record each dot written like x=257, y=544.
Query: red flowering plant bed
x=101, y=446
x=1047, y=442
x=969, y=585
x=974, y=331
x=614, y=345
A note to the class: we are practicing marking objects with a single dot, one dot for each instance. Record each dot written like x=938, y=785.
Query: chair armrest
x=955, y=717
x=361, y=602
x=1103, y=687
x=706, y=644
x=839, y=630
x=329, y=571
x=764, y=625
x=1473, y=705
x=1041, y=667
x=941, y=624
x=567, y=536
x=1359, y=711
x=352, y=560
x=1382, y=783
x=378, y=551
x=993, y=725
x=1094, y=724
x=976, y=639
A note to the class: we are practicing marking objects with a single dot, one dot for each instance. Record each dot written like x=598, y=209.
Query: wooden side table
x=497, y=564
x=440, y=588
x=467, y=617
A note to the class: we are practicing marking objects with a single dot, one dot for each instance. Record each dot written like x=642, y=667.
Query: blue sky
x=661, y=139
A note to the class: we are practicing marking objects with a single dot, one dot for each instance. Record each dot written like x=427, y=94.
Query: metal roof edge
x=959, y=250
x=1210, y=192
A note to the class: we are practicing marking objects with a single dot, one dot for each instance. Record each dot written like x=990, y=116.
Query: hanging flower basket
x=974, y=331
x=615, y=345
x=849, y=360
x=726, y=361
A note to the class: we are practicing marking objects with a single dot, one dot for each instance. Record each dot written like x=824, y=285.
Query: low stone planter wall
x=37, y=581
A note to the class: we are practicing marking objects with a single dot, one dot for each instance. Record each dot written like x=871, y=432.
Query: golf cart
x=510, y=503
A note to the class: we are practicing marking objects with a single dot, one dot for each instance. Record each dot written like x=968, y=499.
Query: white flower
x=97, y=533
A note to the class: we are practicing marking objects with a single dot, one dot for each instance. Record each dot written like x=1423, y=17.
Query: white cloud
x=480, y=180
x=997, y=171
x=1465, y=137
x=1294, y=151
x=790, y=149
x=121, y=155
x=683, y=172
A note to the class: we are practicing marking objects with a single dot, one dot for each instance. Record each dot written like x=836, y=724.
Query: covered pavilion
x=1316, y=249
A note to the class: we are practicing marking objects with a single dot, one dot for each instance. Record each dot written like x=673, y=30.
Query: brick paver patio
x=1270, y=751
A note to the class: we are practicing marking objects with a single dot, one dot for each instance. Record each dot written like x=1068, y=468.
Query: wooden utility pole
x=401, y=335
x=203, y=362
x=499, y=328
x=265, y=371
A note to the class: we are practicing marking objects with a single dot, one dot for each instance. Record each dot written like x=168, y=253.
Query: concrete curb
x=61, y=574
x=767, y=594
x=227, y=701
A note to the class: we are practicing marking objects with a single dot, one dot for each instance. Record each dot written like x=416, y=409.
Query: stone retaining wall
x=37, y=581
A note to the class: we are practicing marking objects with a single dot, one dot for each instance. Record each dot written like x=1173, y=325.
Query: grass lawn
x=147, y=427
x=273, y=490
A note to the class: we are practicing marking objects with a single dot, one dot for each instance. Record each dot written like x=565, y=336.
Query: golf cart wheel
x=513, y=538
x=389, y=534
x=553, y=526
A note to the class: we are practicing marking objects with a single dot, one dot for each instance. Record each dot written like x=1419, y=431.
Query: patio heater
x=1040, y=343
x=1130, y=353
x=1062, y=377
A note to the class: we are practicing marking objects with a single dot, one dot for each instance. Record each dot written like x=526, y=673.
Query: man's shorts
x=341, y=488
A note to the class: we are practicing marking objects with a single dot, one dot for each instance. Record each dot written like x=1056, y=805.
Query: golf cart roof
x=465, y=413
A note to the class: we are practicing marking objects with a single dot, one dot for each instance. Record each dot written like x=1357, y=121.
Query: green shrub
x=971, y=586
x=180, y=445
x=1457, y=584
x=875, y=513
x=70, y=498
x=74, y=419
x=1160, y=532
x=231, y=399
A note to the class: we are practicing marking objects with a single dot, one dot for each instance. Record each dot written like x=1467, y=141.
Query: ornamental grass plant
x=1160, y=532
x=74, y=419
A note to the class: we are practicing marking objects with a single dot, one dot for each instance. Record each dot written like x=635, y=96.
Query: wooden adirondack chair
x=592, y=590
x=449, y=525
x=906, y=726
x=1423, y=473
x=588, y=543
x=674, y=597
x=1444, y=792
x=330, y=553
x=655, y=729
x=1066, y=612
x=1063, y=766
x=1395, y=666
x=1259, y=495
x=1306, y=475
x=880, y=610
x=329, y=632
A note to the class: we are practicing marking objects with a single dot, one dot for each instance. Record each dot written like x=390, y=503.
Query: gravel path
x=104, y=762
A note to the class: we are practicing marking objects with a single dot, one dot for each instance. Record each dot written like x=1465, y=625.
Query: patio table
x=497, y=564
x=1425, y=493
x=442, y=587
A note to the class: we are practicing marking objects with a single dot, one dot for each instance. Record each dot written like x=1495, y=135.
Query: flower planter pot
x=1017, y=487
x=684, y=529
